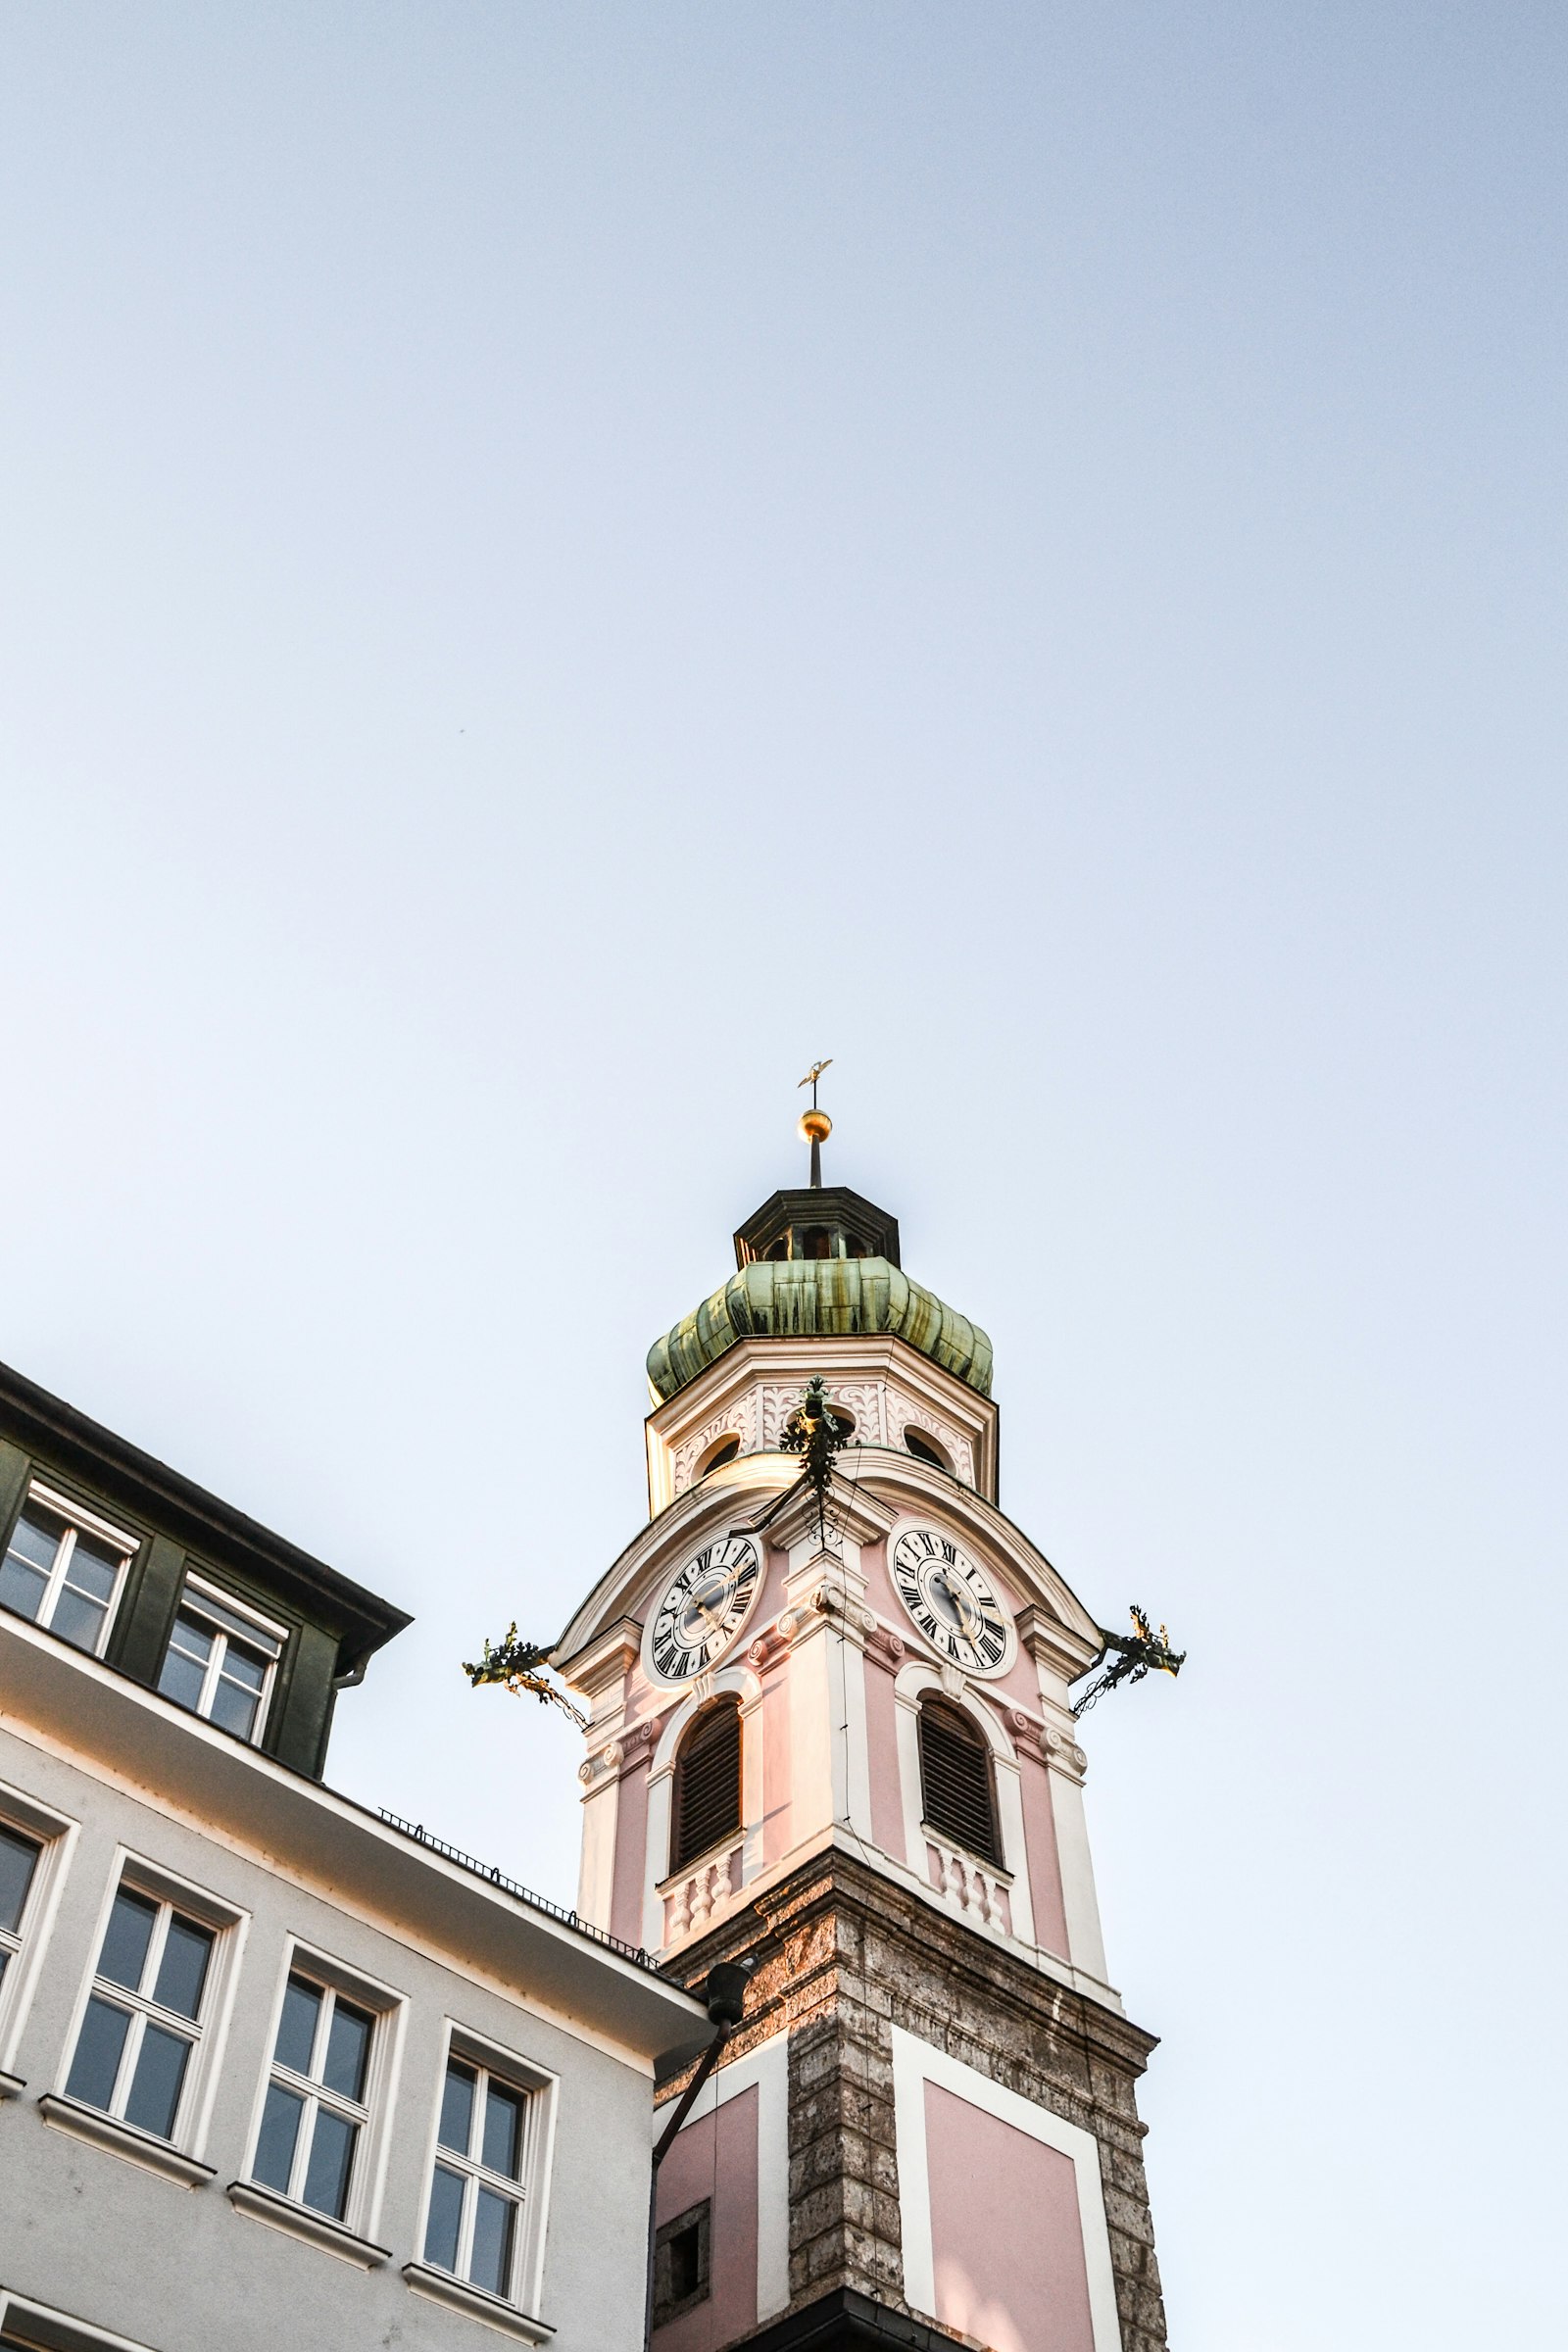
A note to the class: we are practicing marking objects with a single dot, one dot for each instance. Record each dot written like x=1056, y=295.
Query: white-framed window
x=152, y=1998
x=484, y=2209
x=33, y=1844
x=473, y=2226
x=312, y=2139
x=221, y=1659
x=29, y=2327
x=20, y=1853
x=63, y=1567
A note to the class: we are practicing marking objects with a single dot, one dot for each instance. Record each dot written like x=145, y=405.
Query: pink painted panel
x=1005, y=2235
x=775, y=1720
x=631, y=1844
x=1045, y=1863
x=882, y=1756
x=717, y=2159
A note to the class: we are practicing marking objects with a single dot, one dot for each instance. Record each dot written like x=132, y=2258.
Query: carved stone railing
x=975, y=1892
x=694, y=1897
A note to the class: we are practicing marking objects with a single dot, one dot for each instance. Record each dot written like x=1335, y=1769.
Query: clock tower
x=830, y=1736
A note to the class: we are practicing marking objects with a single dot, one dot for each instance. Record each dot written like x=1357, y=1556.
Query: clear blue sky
x=559, y=563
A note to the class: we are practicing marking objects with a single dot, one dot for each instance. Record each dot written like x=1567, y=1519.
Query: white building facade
x=273, y=2069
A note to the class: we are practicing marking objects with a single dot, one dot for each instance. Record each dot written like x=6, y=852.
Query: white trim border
x=916, y=2063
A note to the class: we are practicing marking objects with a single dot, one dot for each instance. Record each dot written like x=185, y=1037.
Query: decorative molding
x=489, y=2310
x=298, y=2221
x=12, y=2086
x=607, y=1760
x=954, y=1682
x=106, y=2132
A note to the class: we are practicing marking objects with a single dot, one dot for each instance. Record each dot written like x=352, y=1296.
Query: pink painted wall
x=631, y=1841
x=882, y=1756
x=775, y=1721
x=717, y=2159
x=1005, y=2234
x=1045, y=1862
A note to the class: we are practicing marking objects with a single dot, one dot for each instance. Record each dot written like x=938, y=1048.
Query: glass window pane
x=92, y=1568
x=75, y=1619
x=296, y=2027
x=326, y=2175
x=490, y=2265
x=194, y=1640
x=446, y=2219
x=155, y=2087
x=213, y=1613
x=233, y=1710
x=279, y=2137
x=37, y=1536
x=21, y=1587
x=348, y=2047
x=182, y=1970
x=274, y=2146
x=457, y=2108
x=17, y=1855
x=181, y=1679
x=502, y=2129
x=125, y=1940
x=5, y=1957
x=98, y=2050
x=245, y=1667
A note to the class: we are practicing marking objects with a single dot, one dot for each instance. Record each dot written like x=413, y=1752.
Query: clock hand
x=962, y=1601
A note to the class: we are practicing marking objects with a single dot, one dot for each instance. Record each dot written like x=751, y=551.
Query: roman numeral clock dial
x=704, y=1608
x=952, y=1601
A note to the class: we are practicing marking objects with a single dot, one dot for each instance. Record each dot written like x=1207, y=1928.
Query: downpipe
x=724, y=1994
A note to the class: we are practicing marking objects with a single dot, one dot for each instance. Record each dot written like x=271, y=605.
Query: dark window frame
x=667, y=2305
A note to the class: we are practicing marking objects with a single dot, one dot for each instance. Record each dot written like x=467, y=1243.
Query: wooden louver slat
x=955, y=1788
x=708, y=1783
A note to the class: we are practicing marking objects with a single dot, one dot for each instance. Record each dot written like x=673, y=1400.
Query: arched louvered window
x=957, y=1794
x=708, y=1782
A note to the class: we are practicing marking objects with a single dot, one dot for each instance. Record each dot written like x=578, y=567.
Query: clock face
x=705, y=1608
x=951, y=1600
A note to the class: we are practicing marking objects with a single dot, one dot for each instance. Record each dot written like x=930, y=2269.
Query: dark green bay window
x=220, y=1660
x=473, y=2227
x=315, y=2117
x=145, y=2014
x=64, y=1570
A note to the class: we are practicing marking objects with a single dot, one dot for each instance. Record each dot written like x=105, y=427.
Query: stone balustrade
x=976, y=1894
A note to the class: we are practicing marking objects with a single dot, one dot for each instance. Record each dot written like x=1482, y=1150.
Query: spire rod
x=815, y=1125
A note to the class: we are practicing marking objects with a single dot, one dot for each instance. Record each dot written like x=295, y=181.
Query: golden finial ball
x=816, y=1127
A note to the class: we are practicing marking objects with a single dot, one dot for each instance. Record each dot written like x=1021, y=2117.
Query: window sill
x=457, y=2296
x=122, y=2140
x=298, y=2221
x=12, y=2086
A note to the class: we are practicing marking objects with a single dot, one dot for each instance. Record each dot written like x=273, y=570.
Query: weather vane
x=815, y=1125
x=1148, y=1652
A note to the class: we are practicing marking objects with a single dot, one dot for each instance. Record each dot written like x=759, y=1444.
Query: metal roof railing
x=497, y=1877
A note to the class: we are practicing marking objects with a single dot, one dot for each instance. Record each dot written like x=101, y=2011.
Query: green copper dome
x=798, y=1298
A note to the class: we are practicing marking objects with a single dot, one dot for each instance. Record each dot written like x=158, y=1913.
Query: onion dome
x=818, y=1263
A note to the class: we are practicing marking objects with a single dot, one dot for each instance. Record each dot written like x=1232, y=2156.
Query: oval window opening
x=717, y=1455
x=816, y=1242
x=924, y=1448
